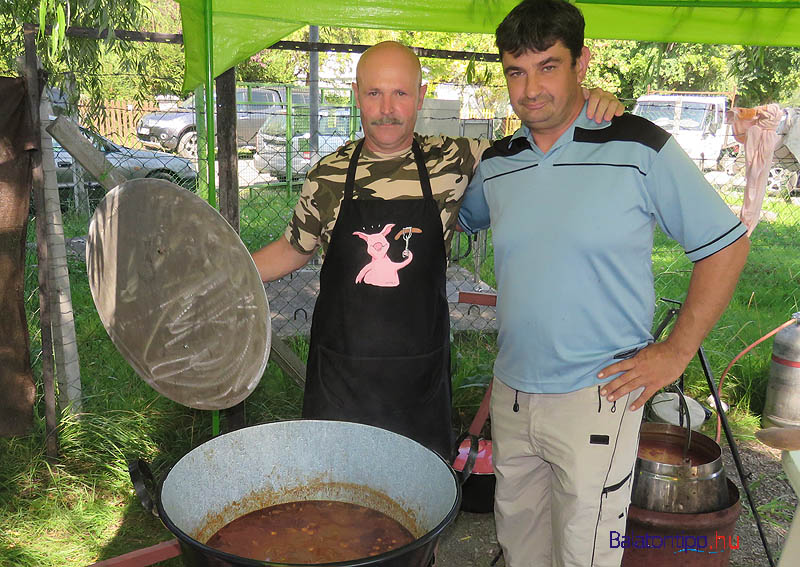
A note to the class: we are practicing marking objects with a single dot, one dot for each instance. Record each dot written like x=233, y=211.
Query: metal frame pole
x=734, y=450
x=209, y=84
x=210, y=150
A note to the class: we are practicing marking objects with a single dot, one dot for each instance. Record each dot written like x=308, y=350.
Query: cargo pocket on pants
x=614, y=502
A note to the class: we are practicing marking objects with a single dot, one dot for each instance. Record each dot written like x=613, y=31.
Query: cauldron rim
x=419, y=542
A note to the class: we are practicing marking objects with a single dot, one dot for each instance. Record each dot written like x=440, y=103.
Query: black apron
x=380, y=334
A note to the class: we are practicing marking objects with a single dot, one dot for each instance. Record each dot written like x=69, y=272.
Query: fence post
x=229, y=184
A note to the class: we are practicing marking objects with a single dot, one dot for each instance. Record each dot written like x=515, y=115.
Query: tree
x=87, y=67
x=631, y=68
x=61, y=55
x=765, y=74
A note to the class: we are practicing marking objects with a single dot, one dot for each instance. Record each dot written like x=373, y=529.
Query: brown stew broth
x=313, y=531
x=668, y=453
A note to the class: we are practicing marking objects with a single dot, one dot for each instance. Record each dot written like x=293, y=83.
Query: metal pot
x=264, y=465
x=474, y=463
x=664, y=481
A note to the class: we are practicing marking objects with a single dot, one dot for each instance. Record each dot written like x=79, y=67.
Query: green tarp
x=242, y=28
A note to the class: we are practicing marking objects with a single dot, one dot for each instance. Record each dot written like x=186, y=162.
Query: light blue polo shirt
x=573, y=236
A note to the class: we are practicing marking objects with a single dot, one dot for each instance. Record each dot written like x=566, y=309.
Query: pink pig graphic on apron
x=380, y=271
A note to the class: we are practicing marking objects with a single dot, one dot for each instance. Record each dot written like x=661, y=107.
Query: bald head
x=389, y=93
x=388, y=54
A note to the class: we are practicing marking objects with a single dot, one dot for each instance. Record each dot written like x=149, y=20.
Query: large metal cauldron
x=269, y=464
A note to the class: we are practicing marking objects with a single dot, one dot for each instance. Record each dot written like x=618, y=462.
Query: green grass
x=82, y=508
x=264, y=214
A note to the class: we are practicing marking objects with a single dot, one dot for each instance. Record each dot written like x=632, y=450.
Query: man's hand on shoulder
x=603, y=106
x=653, y=367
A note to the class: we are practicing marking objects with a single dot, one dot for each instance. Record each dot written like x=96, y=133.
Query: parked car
x=176, y=130
x=131, y=163
x=334, y=131
x=697, y=122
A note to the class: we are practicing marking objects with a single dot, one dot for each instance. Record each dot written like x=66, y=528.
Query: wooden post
x=228, y=164
x=62, y=317
x=227, y=155
x=48, y=370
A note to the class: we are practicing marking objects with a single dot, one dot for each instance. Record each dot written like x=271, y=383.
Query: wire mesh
x=276, y=150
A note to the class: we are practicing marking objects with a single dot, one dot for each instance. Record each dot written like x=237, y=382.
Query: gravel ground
x=471, y=540
x=774, y=498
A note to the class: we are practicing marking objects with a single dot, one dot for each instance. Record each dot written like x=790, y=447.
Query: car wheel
x=777, y=180
x=189, y=183
x=187, y=145
x=793, y=184
x=165, y=175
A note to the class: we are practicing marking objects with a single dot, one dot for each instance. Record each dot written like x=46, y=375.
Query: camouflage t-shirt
x=451, y=163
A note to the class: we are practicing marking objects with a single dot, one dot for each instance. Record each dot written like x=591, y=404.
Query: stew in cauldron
x=312, y=531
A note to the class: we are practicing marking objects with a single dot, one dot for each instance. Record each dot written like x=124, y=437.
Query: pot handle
x=469, y=464
x=144, y=483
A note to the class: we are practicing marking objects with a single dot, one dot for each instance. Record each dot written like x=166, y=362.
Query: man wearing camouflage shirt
x=383, y=209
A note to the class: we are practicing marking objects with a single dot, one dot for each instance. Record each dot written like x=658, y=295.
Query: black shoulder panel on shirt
x=501, y=148
x=626, y=128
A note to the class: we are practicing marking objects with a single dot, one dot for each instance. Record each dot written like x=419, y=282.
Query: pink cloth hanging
x=758, y=126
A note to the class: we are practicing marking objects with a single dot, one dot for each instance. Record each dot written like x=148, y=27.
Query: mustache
x=535, y=99
x=386, y=122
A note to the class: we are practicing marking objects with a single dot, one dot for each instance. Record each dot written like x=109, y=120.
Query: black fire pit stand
x=701, y=354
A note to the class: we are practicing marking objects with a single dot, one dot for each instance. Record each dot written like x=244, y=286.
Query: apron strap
x=351, y=171
x=422, y=170
x=424, y=179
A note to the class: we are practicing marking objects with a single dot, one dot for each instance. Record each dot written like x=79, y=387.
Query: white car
x=335, y=129
x=697, y=122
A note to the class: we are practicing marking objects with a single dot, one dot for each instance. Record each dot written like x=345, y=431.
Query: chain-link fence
x=276, y=150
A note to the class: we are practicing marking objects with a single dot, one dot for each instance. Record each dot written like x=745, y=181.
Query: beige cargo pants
x=564, y=465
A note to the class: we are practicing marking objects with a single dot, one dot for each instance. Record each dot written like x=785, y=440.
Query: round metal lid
x=178, y=293
x=666, y=409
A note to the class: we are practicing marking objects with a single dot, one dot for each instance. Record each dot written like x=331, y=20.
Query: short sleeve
x=687, y=207
x=476, y=148
x=474, y=214
x=305, y=227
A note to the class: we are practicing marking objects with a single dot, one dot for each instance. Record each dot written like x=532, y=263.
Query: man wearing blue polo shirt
x=572, y=205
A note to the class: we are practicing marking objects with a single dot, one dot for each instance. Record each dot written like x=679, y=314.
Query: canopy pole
x=210, y=139
x=210, y=132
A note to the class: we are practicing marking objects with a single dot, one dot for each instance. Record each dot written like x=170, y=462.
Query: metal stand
x=701, y=354
x=734, y=450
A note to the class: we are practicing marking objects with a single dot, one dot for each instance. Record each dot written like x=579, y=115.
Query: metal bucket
x=664, y=482
x=782, y=406
x=264, y=465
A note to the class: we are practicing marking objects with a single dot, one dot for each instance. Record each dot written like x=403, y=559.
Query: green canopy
x=241, y=28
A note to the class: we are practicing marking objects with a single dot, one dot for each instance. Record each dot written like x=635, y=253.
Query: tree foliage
x=766, y=74
x=76, y=64
x=631, y=68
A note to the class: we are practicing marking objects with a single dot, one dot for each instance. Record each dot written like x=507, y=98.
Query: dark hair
x=536, y=25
